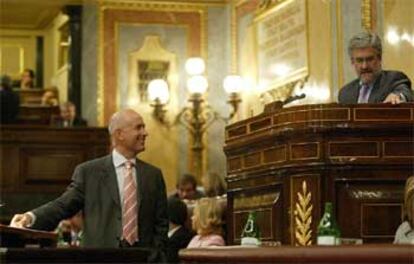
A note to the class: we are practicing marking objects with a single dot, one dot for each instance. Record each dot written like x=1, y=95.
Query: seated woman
x=28, y=79
x=207, y=222
x=405, y=232
x=50, y=97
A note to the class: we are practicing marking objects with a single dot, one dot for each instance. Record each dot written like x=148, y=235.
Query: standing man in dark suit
x=373, y=84
x=101, y=188
x=9, y=101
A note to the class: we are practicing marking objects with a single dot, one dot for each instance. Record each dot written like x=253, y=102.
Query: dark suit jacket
x=177, y=241
x=57, y=121
x=9, y=103
x=94, y=189
x=386, y=83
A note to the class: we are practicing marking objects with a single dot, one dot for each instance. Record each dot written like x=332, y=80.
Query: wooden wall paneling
x=37, y=162
x=267, y=202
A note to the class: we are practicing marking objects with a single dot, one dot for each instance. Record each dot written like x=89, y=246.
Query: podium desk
x=20, y=237
x=287, y=162
x=356, y=254
x=73, y=255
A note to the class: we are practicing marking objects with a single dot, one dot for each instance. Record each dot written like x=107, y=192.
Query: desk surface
x=73, y=255
x=373, y=253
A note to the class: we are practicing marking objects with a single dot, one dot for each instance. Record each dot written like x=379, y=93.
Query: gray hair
x=365, y=40
x=114, y=123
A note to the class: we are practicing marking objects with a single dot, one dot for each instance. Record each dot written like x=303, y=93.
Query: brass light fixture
x=198, y=116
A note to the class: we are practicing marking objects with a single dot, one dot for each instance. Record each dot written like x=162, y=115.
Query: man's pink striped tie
x=363, y=94
x=130, y=210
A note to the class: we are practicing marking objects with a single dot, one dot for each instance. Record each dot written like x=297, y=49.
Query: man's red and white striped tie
x=129, y=210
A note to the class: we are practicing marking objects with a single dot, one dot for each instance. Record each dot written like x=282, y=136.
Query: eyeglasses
x=361, y=60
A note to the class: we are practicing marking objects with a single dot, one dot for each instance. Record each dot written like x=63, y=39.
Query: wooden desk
x=37, y=163
x=381, y=253
x=19, y=237
x=73, y=255
x=286, y=163
x=37, y=114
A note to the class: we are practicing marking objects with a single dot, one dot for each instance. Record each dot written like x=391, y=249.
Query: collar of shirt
x=118, y=160
x=172, y=231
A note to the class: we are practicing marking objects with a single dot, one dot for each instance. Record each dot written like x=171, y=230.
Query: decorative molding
x=303, y=217
x=160, y=3
x=255, y=201
x=282, y=92
x=112, y=13
x=265, y=5
x=366, y=15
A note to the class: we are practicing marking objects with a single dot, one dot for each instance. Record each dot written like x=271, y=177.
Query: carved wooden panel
x=356, y=156
x=369, y=210
x=305, y=213
x=267, y=203
x=304, y=151
x=41, y=165
x=275, y=154
x=37, y=162
x=377, y=114
x=399, y=149
x=354, y=149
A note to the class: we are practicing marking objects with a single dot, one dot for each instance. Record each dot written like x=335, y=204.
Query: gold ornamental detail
x=303, y=217
x=366, y=15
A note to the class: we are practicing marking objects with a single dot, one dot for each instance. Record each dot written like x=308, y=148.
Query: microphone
x=293, y=98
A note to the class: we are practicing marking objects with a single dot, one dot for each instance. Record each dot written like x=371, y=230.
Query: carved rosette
x=303, y=217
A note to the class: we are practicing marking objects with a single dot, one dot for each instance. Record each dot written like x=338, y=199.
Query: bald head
x=127, y=130
x=120, y=119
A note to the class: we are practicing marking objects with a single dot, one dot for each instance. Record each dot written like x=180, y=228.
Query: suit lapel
x=141, y=181
x=354, y=92
x=109, y=179
x=376, y=92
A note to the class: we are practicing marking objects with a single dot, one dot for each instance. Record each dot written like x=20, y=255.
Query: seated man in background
x=68, y=117
x=187, y=188
x=9, y=101
x=373, y=84
x=405, y=232
x=178, y=235
x=27, y=81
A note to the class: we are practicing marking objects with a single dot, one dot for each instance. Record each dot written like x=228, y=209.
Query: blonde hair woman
x=405, y=232
x=207, y=223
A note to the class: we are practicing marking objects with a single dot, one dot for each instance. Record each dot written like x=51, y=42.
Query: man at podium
x=373, y=84
x=123, y=198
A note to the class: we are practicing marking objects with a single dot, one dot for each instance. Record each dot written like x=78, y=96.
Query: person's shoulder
x=93, y=163
x=394, y=74
x=147, y=165
x=215, y=240
x=350, y=84
x=401, y=235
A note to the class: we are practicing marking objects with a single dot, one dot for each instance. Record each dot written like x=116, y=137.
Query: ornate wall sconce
x=198, y=116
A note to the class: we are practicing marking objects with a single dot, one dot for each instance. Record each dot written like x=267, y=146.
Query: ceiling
x=30, y=14
x=37, y=14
